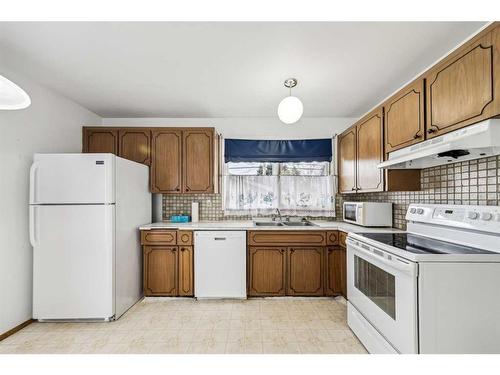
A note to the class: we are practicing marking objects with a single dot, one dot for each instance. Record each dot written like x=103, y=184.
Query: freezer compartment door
x=73, y=261
x=72, y=179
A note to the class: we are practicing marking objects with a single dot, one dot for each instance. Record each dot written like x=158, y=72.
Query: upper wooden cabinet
x=464, y=88
x=347, y=160
x=360, y=151
x=135, y=145
x=182, y=160
x=198, y=160
x=102, y=140
x=369, y=148
x=166, y=168
x=404, y=121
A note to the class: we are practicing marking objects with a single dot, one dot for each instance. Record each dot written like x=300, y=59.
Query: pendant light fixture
x=290, y=109
x=12, y=96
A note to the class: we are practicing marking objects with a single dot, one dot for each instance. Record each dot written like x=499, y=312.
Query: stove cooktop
x=422, y=245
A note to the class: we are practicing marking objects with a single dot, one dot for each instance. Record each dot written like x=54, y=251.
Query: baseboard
x=15, y=329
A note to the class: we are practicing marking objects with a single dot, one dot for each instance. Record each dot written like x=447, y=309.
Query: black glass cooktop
x=422, y=245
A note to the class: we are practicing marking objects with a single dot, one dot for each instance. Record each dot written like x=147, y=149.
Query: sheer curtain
x=250, y=195
x=307, y=195
x=293, y=195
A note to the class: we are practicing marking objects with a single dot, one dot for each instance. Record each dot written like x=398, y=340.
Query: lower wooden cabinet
x=278, y=269
x=305, y=271
x=161, y=270
x=343, y=263
x=266, y=271
x=167, y=263
x=333, y=271
x=186, y=271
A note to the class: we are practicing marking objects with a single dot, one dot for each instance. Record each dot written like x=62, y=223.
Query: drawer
x=286, y=238
x=332, y=237
x=342, y=238
x=158, y=237
x=185, y=237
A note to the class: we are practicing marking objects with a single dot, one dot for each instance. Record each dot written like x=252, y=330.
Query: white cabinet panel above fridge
x=72, y=179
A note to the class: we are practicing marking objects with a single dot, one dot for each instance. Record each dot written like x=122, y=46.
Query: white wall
x=252, y=127
x=51, y=124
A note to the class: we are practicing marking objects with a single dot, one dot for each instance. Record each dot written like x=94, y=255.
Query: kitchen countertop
x=249, y=225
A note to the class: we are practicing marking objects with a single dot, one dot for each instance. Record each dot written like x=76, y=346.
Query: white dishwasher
x=220, y=264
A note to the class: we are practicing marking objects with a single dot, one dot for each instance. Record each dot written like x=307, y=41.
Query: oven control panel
x=473, y=217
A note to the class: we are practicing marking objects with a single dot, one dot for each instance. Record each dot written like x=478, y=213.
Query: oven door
x=351, y=213
x=383, y=288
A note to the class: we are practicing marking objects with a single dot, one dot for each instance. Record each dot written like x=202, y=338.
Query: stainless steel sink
x=299, y=224
x=267, y=224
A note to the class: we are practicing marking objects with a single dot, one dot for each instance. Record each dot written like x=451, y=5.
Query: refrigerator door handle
x=33, y=181
x=33, y=226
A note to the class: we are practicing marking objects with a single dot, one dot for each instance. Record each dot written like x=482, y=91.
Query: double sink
x=284, y=224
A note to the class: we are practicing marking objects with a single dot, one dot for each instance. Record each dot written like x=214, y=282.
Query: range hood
x=472, y=142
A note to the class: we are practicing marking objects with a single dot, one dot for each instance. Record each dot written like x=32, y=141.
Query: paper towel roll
x=195, y=211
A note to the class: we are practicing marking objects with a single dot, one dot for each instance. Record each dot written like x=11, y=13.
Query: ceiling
x=170, y=69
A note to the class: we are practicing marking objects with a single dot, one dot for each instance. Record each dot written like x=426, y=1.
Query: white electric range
x=433, y=289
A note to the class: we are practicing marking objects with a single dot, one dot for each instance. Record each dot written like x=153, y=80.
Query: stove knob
x=420, y=211
x=486, y=216
x=413, y=210
x=472, y=215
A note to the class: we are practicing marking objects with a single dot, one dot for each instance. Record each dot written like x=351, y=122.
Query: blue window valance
x=244, y=150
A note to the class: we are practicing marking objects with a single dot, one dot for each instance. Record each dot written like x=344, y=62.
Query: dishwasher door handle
x=219, y=238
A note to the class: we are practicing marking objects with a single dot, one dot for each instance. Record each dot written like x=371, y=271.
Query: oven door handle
x=397, y=263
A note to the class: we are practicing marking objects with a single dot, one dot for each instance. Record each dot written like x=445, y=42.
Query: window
x=296, y=188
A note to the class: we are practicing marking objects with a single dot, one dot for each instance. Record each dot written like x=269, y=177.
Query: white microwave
x=368, y=214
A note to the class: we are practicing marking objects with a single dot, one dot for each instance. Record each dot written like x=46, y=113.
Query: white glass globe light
x=12, y=96
x=290, y=110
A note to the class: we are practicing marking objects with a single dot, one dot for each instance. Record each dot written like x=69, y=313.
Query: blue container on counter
x=179, y=218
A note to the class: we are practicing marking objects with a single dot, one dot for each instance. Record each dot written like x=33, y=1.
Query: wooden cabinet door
x=160, y=270
x=135, y=145
x=369, y=152
x=100, y=140
x=404, y=117
x=347, y=161
x=266, y=271
x=343, y=271
x=186, y=271
x=465, y=87
x=166, y=161
x=333, y=271
x=198, y=161
x=305, y=271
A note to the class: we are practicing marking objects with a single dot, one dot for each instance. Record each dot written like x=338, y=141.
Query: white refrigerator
x=85, y=210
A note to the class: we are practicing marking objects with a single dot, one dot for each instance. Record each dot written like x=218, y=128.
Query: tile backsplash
x=475, y=182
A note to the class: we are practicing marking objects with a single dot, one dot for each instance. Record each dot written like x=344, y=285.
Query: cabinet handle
x=182, y=249
x=416, y=136
x=430, y=131
x=354, y=189
x=177, y=189
x=174, y=250
x=282, y=251
x=292, y=250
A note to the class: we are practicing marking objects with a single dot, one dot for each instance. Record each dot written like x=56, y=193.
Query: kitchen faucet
x=278, y=212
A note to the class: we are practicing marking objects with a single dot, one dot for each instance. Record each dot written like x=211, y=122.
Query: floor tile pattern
x=174, y=326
